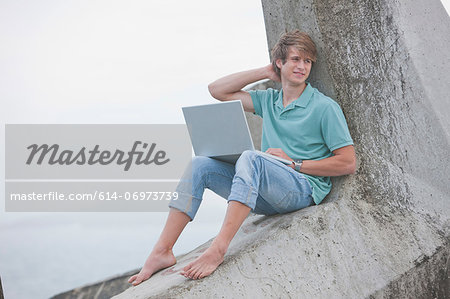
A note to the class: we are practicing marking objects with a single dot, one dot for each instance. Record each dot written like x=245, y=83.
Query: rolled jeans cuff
x=186, y=203
x=244, y=194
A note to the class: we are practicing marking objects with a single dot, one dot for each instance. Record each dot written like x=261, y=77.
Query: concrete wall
x=385, y=62
x=1, y=289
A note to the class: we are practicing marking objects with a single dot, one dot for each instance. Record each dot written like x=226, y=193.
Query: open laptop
x=220, y=131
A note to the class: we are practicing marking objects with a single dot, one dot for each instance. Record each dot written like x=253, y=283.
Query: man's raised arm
x=230, y=87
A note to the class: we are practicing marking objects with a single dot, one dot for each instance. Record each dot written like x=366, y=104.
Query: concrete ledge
x=428, y=279
x=338, y=249
x=101, y=290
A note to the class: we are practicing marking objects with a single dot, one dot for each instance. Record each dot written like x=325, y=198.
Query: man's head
x=301, y=41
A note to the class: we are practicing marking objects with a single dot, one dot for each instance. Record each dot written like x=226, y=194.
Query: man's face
x=296, y=69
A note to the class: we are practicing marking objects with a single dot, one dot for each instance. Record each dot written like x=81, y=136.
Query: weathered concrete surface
x=428, y=279
x=100, y=290
x=383, y=232
x=340, y=249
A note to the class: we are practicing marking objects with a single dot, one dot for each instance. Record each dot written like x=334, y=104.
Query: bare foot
x=205, y=264
x=157, y=260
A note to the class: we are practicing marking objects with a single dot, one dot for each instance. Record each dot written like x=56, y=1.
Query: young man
x=299, y=124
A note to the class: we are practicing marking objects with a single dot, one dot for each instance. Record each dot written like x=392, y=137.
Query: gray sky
x=121, y=61
x=102, y=61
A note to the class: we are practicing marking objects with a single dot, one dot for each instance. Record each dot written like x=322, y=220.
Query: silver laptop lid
x=218, y=129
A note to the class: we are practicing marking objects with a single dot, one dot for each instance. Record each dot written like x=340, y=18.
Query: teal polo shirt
x=309, y=128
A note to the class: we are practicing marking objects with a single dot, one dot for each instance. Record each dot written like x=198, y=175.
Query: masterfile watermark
x=91, y=157
x=132, y=146
x=94, y=167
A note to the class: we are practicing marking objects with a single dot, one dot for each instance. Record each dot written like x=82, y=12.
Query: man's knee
x=249, y=159
x=202, y=167
x=200, y=162
x=248, y=155
x=199, y=166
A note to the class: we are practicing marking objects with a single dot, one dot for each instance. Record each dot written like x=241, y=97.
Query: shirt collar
x=302, y=101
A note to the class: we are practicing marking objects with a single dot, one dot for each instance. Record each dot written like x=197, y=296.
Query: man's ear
x=279, y=63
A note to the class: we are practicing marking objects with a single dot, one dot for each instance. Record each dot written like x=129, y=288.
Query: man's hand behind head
x=271, y=74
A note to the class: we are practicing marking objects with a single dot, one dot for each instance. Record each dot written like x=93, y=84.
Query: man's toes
x=189, y=273
x=186, y=268
x=137, y=281
x=140, y=279
x=193, y=274
x=184, y=274
x=132, y=278
x=194, y=271
x=196, y=275
x=204, y=274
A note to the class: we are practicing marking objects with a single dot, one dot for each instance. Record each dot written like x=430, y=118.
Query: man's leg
x=270, y=187
x=162, y=256
x=278, y=189
x=205, y=264
x=202, y=173
x=244, y=187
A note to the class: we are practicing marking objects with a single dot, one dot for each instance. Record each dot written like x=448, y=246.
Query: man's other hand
x=279, y=153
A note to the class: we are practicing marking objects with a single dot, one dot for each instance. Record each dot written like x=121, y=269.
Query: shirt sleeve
x=334, y=128
x=258, y=98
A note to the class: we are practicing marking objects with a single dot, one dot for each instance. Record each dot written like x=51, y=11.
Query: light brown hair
x=300, y=40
